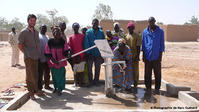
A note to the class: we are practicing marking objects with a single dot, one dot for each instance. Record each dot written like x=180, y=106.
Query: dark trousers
x=44, y=71
x=79, y=79
x=31, y=74
x=97, y=60
x=149, y=66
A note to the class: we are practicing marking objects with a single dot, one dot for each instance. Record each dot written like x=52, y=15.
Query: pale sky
x=166, y=11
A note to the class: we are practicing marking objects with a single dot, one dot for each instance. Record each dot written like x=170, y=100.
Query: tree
x=42, y=19
x=54, y=20
x=194, y=20
x=17, y=24
x=59, y=19
x=52, y=14
x=103, y=12
x=160, y=23
x=6, y=25
x=3, y=23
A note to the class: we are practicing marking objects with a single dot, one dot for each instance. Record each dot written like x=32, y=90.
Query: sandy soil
x=180, y=66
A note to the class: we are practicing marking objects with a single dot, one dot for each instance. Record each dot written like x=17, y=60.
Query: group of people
x=151, y=43
x=43, y=55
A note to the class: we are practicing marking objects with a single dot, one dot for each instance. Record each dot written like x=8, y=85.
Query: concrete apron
x=93, y=98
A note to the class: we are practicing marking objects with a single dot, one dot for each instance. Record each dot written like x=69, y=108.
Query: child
x=55, y=50
x=111, y=40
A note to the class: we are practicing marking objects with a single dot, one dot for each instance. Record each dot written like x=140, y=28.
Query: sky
x=81, y=11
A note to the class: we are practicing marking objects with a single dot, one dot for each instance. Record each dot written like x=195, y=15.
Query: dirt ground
x=180, y=66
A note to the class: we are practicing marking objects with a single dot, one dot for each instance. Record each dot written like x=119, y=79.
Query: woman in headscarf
x=133, y=40
x=123, y=77
x=56, y=50
x=117, y=31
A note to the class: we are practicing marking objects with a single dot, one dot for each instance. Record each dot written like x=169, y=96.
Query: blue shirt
x=153, y=43
x=89, y=39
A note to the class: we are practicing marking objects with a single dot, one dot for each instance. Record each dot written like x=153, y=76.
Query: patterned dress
x=112, y=41
x=133, y=41
x=123, y=79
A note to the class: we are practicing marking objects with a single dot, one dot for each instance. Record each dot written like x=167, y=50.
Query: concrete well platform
x=93, y=99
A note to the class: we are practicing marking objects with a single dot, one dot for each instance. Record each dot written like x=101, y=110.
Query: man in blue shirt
x=93, y=55
x=152, y=47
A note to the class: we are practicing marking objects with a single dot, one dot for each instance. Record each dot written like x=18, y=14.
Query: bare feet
x=17, y=65
x=55, y=90
x=32, y=97
x=59, y=93
x=48, y=88
x=40, y=93
x=13, y=66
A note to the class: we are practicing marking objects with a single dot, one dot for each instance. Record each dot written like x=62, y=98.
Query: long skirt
x=59, y=79
x=123, y=79
x=84, y=77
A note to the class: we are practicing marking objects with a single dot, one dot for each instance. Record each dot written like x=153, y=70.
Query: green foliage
x=103, y=12
x=54, y=20
x=17, y=24
x=194, y=20
x=50, y=20
x=42, y=19
x=160, y=23
x=6, y=25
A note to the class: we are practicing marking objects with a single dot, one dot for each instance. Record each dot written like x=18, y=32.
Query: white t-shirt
x=79, y=67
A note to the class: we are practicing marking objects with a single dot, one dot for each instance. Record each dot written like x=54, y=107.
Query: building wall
x=181, y=32
x=171, y=32
x=164, y=27
x=108, y=25
x=4, y=35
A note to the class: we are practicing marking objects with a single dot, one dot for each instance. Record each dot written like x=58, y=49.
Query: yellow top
x=133, y=41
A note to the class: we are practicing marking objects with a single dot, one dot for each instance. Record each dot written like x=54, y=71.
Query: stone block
x=173, y=90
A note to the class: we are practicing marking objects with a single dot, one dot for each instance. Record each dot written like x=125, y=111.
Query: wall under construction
x=171, y=32
x=181, y=32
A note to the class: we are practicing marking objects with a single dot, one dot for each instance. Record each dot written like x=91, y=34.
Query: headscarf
x=131, y=24
x=53, y=28
x=121, y=45
x=121, y=40
x=116, y=23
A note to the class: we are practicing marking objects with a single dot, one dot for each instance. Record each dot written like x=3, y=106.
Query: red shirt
x=76, y=44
